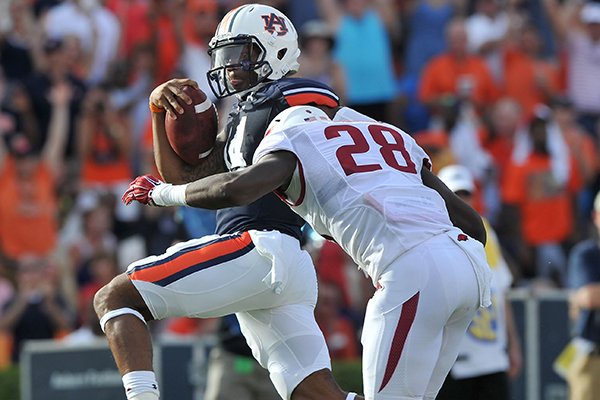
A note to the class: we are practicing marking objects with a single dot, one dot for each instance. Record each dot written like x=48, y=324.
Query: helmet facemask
x=237, y=65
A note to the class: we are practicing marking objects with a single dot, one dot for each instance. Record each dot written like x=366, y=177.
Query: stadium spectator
x=577, y=26
x=316, y=58
x=37, y=310
x=486, y=31
x=584, y=302
x=425, y=23
x=426, y=26
x=584, y=151
x=96, y=28
x=128, y=93
x=29, y=209
x=506, y=119
x=490, y=353
x=369, y=73
x=94, y=237
x=21, y=42
x=104, y=144
x=102, y=268
x=134, y=21
x=58, y=70
x=456, y=75
x=529, y=77
x=166, y=37
x=200, y=21
x=538, y=183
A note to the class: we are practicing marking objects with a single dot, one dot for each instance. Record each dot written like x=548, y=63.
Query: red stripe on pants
x=407, y=316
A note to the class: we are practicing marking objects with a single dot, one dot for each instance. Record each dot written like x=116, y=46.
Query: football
x=192, y=134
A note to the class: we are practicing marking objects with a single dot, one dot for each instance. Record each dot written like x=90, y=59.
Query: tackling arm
x=461, y=214
x=244, y=186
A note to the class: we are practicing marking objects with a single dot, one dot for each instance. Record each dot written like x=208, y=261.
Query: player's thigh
x=288, y=342
x=406, y=324
x=207, y=277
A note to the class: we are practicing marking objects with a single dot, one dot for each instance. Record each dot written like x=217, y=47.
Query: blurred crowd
x=510, y=89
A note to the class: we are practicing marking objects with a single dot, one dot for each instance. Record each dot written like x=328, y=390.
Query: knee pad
x=120, y=311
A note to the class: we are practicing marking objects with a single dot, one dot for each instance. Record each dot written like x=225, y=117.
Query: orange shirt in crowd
x=546, y=209
x=94, y=171
x=135, y=23
x=501, y=149
x=28, y=212
x=167, y=48
x=445, y=75
x=522, y=76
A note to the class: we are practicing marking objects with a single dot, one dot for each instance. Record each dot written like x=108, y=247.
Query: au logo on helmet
x=271, y=21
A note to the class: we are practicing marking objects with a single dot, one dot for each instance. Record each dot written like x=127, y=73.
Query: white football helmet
x=295, y=116
x=254, y=38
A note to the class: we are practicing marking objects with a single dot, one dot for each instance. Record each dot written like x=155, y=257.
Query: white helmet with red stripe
x=254, y=38
x=295, y=116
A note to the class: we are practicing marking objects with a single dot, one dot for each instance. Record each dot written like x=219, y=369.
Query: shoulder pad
x=299, y=91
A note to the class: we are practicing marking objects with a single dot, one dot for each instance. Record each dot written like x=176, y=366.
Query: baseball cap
x=457, y=178
x=590, y=13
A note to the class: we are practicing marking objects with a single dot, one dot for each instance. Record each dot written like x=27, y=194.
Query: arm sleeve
x=273, y=141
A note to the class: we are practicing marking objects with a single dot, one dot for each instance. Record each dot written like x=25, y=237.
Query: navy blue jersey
x=245, y=128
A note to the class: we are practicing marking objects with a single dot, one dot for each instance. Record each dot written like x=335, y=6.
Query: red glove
x=140, y=189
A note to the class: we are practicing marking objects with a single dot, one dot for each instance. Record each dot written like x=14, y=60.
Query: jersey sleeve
x=348, y=114
x=273, y=141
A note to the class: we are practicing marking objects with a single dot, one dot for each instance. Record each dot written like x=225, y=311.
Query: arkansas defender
x=368, y=186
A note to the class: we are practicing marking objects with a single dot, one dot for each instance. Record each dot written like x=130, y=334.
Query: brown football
x=192, y=134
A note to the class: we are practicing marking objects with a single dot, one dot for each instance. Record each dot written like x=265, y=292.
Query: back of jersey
x=360, y=183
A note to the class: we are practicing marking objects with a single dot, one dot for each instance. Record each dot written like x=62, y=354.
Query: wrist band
x=169, y=195
x=154, y=108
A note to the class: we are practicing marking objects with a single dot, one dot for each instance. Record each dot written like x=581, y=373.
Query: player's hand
x=140, y=190
x=166, y=95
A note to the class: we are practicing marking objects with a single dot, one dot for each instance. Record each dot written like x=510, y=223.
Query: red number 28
x=387, y=149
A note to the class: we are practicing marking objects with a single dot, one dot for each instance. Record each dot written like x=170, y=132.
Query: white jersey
x=360, y=184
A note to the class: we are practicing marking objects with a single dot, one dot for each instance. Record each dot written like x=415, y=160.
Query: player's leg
x=461, y=280
x=404, y=334
x=206, y=277
x=287, y=340
x=122, y=314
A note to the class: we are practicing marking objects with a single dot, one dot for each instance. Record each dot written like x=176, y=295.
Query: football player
x=254, y=265
x=368, y=186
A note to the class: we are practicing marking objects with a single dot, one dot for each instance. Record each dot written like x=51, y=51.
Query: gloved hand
x=141, y=189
